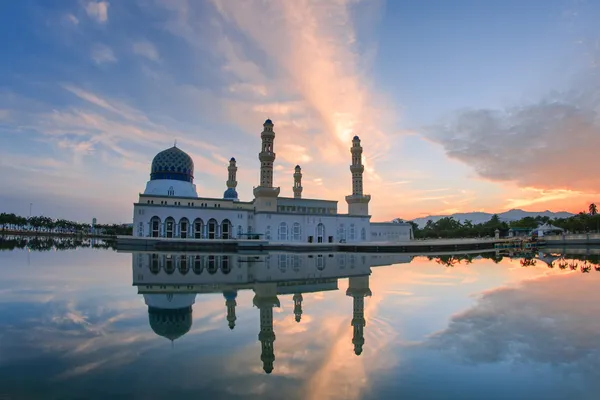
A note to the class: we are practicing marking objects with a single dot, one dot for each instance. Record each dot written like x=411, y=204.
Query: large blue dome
x=230, y=194
x=173, y=164
x=230, y=294
x=171, y=324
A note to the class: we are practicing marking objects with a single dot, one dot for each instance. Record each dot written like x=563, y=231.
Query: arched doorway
x=198, y=227
x=320, y=233
x=169, y=227
x=212, y=228
x=184, y=227
x=155, y=227
x=226, y=229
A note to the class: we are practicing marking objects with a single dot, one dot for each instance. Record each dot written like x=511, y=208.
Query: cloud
x=533, y=322
x=103, y=54
x=98, y=10
x=146, y=49
x=70, y=18
x=548, y=144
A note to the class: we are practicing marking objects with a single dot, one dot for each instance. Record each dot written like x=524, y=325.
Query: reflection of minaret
x=297, y=182
x=358, y=288
x=265, y=299
x=230, y=303
x=298, y=306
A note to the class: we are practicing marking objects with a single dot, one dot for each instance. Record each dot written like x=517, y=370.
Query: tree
x=593, y=209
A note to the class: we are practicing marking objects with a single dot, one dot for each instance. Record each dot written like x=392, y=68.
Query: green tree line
x=448, y=227
x=12, y=222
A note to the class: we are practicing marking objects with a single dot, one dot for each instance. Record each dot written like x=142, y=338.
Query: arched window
x=171, y=191
x=198, y=264
x=169, y=264
x=225, y=265
x=212, y=228
x=363, y=234
x=198, y=227
x=296, y=262
x=183, y=265
x=169, y=227
x=155, y=226
x=352, y=232
x=154, y=264
x=342, y=232
x=212, y=265
x=268, y=232
x=283, y=262
x=184, y=227
x=320, y=262
x=226, y=229
x=283, y=236
x=320, y=233
x=296, y=231
x=240, y=232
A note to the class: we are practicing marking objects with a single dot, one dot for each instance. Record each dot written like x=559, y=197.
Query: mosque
x=171, y=282
x=171, y=208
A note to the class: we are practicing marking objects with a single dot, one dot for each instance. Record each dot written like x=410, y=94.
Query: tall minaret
x=298, y=306
x=358, y=203
x=231, y=193
x=265, y=194
x=230, y=303
x=265, y=299
x=297, y=182
x=358, y=288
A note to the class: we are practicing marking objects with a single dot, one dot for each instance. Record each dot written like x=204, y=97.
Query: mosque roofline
x=390, y=223
x=195, y=198
x=307, y=199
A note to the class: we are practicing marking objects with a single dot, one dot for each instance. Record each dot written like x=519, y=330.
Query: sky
x=461, y=106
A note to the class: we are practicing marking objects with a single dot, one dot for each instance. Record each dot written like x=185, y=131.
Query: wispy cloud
x=146, y=49
x=98, y=10
x=103, y=54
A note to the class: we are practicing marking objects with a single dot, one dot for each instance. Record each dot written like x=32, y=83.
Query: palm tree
x=593, y=209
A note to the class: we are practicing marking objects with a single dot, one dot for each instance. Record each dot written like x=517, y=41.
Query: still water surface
x=93, y=323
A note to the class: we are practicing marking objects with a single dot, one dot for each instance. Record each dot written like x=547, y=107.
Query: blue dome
x=230, y=194
x=232, y=159
x=230, y=295
x=356, y=138
x=172, y=164
x=268, y=121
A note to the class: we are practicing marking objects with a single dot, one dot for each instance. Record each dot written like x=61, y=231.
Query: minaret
x=358, y=203
x=231, y=193
x=265, y=299
x=297, y=182
x=265, y=194
x=298, y=306
x=230, y=303
x=358, y=288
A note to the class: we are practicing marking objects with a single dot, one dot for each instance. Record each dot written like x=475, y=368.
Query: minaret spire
x=297, y=182
x=231, y=193
x=358, y=203
x=265, y=194
x=298, y=306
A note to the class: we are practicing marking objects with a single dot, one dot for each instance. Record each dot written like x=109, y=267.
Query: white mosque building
x=171, y=208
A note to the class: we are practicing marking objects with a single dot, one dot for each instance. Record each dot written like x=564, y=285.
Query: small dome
x=268, y=121
x=170, y=323
x=230, y=194
x=172, y=164
x=230, y=294
x=297, y=167
x=232, y=159
x=356, y=138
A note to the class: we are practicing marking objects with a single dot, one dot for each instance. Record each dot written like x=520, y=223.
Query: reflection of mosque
x=170, y=282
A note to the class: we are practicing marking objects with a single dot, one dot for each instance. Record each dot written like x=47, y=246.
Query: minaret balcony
x=266, y=156
x=357, y=168
x=358, y=198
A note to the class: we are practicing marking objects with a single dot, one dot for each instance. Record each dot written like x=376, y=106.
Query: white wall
x=390, y=232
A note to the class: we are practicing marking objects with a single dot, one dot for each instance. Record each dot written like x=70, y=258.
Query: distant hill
x=479, y=217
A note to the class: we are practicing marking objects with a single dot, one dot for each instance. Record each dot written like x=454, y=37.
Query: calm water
x=93, y=323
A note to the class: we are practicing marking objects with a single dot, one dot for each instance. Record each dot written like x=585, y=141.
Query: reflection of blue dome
x=268, y=121
x=230, y=194
x=356, y=138
x=230, y=294
x=170, y=323
x=172, y=164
